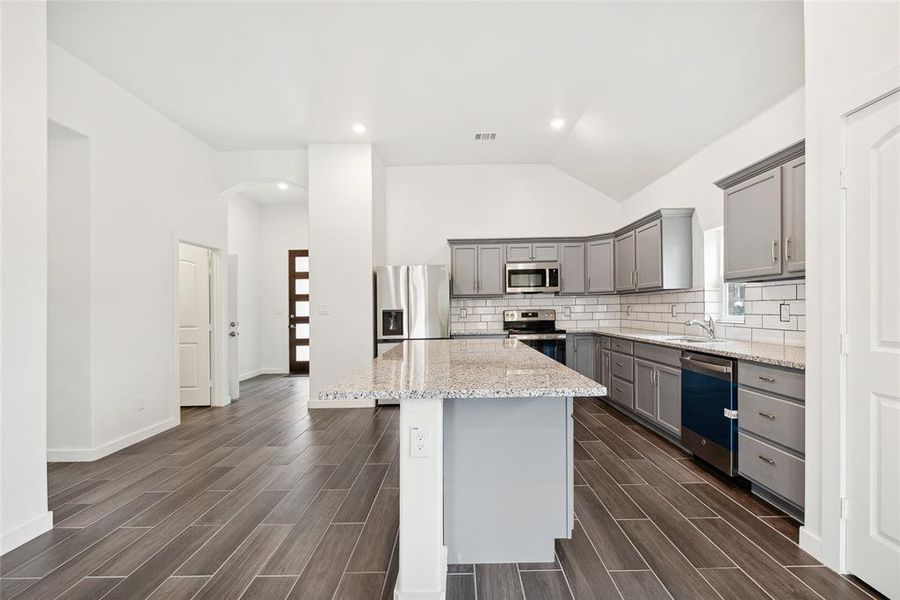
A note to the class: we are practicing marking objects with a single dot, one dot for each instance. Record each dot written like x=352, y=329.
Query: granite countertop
x=792, y=357
x=461, y=368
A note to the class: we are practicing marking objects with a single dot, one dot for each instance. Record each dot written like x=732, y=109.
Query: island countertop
x=461, y=368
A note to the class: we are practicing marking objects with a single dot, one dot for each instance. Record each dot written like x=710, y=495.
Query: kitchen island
x=486, y=452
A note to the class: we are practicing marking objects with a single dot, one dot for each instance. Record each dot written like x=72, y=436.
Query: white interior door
x=234, y=382
x=873, y=329
x=194, y=327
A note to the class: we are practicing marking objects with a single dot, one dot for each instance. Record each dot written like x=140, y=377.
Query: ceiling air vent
x=485, y=136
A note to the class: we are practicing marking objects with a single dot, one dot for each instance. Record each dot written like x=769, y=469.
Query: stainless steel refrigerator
x=412, y=302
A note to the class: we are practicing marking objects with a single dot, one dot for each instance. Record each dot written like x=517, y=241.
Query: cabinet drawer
x=622, y=392
x=658, y=354
x=623, y=346
x=771, y=418
x=605, y=342
x=772, y=468
x=772, y=379
x=622, y=366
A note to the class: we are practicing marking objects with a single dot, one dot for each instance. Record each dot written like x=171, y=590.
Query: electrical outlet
x=419, y=442
x=674, y=312
x=140, y=403
x=324, y=311
x=567, y=311
x=785, y=313
x=463, y=313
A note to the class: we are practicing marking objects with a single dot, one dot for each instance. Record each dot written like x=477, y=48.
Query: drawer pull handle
x=766, y=459
x=618, y=389
x=619, y=364
x=769, y=379
x=767, y=416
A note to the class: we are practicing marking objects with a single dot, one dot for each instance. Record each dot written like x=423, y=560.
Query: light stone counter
x=792, y=357
x=462, y=368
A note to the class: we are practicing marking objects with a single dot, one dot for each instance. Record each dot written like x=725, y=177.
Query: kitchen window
x=732, y=302
x=731, y=295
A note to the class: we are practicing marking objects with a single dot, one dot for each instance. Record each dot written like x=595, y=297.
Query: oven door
x=532, y=277
x=553, y=347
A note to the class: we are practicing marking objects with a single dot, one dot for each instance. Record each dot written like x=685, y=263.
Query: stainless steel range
x=537, y=328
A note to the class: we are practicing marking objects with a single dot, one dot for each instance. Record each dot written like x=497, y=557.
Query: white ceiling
x=642, y=85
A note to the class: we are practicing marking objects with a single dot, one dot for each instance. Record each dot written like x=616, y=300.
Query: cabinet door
x=518, y=252
x=600, y=266
x=545, y=251
x=795, y=215
x=605, y=372
x=464, y=270
x=490, y=270
x=668, y=392
x=584, y=355
x=644, y=389
x=572, y=267
x=648, y=255
x=753, y=227
x=625, y=262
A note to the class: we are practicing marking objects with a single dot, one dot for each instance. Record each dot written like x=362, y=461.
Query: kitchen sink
x=688, y=339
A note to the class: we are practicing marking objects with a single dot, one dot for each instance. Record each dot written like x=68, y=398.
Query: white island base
x=495, y=485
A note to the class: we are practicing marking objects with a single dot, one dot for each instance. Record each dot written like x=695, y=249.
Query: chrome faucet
x=709, y=329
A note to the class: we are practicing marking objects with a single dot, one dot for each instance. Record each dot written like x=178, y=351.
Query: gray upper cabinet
x=490, y=270
x=538, y=251
x=625, y=262
x=600, y=266
x=477, y=270
x=464, y=270
x=753, y=227
x=765, y=218
x=649, y=256
x=795, y=215
x=572, y=267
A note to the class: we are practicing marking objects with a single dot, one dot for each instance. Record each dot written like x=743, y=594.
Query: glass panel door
x=298, y=309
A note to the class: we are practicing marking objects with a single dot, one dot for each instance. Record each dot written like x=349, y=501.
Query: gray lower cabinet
x=657, y=394
x=648, y=256
x=600, y=266
x=572, y=269
x=602, y=365
x=583, y=359
x=625, y=255
x=477, y=269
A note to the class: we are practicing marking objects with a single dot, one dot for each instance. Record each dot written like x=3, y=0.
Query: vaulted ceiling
x=641, y=85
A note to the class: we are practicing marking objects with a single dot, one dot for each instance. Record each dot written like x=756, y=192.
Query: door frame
x=217, y=314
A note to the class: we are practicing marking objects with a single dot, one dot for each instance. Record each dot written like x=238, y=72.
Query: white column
x=423, y=556
x=23, y=301
x=341, y=189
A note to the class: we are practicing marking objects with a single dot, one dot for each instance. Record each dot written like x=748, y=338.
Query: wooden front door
x=298, y=309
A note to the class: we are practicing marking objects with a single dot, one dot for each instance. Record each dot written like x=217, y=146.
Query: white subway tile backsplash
x=653, y=312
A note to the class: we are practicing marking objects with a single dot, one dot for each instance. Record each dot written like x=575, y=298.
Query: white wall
x=281, y=228
x=243, y=240
x=239, y=166
x=847, y=45
x=426, y=205
x=691, y=183
x=69, y=416
x=151, y=184
x=23, y=277
x=340, y=260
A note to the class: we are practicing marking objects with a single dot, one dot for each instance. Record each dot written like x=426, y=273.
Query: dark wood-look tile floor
x=265, y=499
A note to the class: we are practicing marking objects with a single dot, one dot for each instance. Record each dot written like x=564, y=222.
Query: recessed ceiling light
x=282, y=186
x=558, y=123
x=359, y=128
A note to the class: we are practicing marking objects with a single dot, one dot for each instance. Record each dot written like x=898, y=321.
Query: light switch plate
x=785, y=313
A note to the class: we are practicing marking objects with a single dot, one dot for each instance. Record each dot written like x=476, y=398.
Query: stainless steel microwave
x=533, y=277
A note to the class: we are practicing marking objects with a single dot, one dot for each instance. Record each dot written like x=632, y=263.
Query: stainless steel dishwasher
x=709, y=426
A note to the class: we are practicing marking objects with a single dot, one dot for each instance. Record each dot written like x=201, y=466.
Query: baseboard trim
x=341, y=404
x=261, y=371
x=23, y=533
x=89, y=454
x=811, y=544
